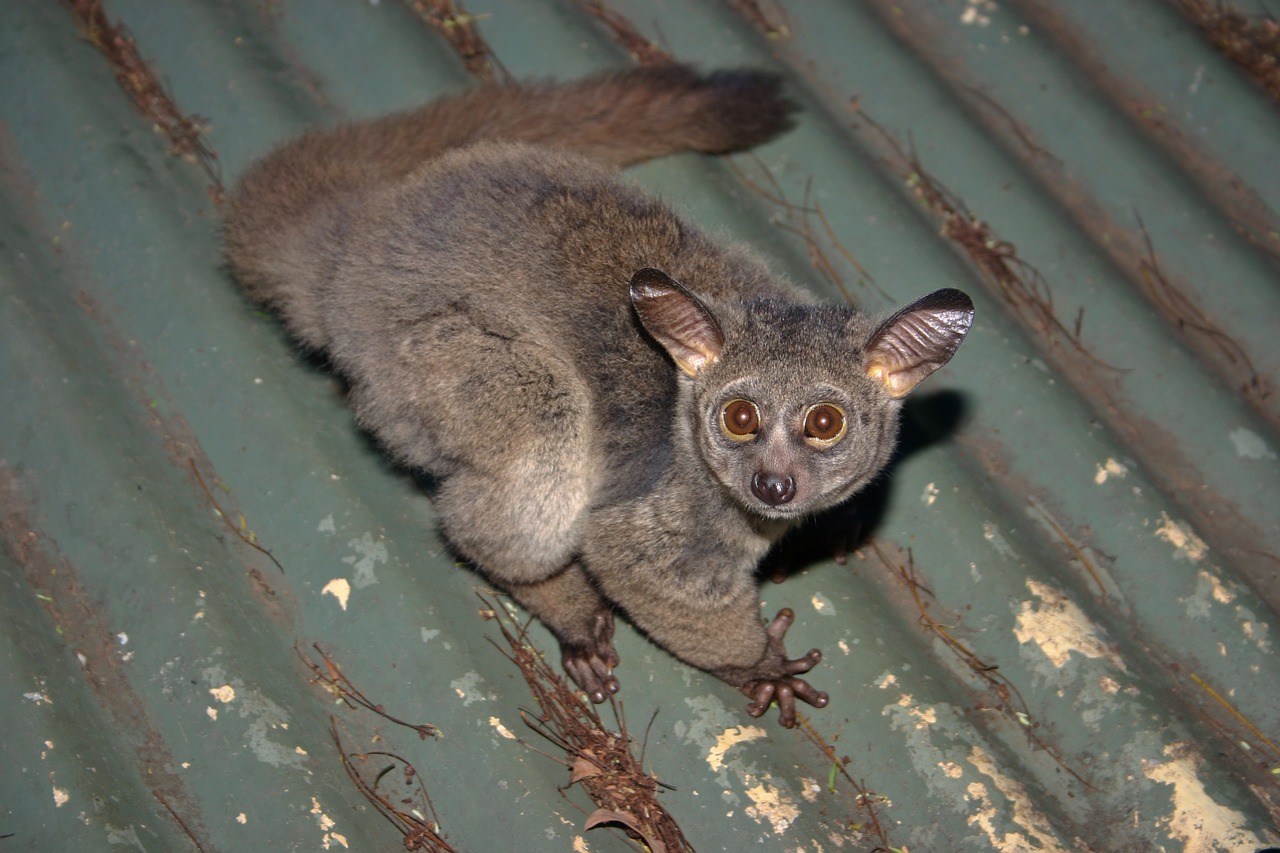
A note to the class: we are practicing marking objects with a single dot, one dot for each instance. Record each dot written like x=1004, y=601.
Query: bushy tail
x=615, y=118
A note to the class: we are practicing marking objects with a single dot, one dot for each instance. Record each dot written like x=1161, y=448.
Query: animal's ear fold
x=676, y=319
x=918, y=339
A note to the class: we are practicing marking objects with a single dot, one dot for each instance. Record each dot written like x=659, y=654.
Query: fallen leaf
x=600, y=817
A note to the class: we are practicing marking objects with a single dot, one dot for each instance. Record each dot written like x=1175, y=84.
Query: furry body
x=466, y=267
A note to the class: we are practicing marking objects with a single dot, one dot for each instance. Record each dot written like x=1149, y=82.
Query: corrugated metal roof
x=1057, y=631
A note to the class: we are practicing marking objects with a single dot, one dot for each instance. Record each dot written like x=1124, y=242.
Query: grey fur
x=466, y=266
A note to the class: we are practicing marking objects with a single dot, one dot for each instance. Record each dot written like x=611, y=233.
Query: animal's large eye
x=740, y=419
x=824, y=424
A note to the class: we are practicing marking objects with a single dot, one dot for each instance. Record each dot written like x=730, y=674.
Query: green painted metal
x=1094, y=515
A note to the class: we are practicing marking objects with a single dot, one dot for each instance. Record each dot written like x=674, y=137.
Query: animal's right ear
x=918, y=339
x=676, y=319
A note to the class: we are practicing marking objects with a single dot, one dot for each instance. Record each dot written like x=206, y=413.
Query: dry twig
x=865, y=799
x=333, y=680
x=1011, y=703
x=627, y=34
x=419, y=825
x=599, y=759
x=245, y=537
x=459, y=27
x=143, y=86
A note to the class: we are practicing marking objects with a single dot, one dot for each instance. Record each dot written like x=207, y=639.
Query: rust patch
x=1189, y=317
x=1251, y=43
x=55, y=583
x=460, y=28
x=142, y=84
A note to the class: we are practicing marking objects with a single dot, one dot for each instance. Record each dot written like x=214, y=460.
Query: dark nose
x=773, y=489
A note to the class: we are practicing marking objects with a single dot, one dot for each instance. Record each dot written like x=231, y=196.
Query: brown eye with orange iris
x=740, y=420
x=824, y=424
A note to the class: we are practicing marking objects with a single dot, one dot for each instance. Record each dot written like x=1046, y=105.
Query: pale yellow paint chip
x=339, y=588
x=1034, y=824
x=728, y=738
x=771, y=804
x=224, y=694
x=1108, y=469
x=1059, y=627
x=1221, y=594
x=1200, y=821
x=1186, y=544
x=501, y=729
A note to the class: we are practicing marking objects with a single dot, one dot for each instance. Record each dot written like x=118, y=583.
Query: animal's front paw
x=591, y=664
x=784, y=687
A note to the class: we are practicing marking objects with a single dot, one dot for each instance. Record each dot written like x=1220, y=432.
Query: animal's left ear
x=918, y=339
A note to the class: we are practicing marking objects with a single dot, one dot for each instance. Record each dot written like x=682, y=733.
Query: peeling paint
x=339, y=588
x=468, y=688
x=1031, y=820
x=925, y=717
x=993, y=535
x=978, y=12
x=771, y=804
x=886, y=681
x=1186, y=544
x=728, y=738
x=1255, y=631
x=265, y=718
x=1250, y=445
x=930, y=495
x=60, y=796
x=1205, y=825
x=368, y=553
x=1110, y=468
x=1209, y=588
x=1220, y=592
x=822, y=605
x=326, y=823
x=1059, y=627
x=501, y=729
x=224, y=694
